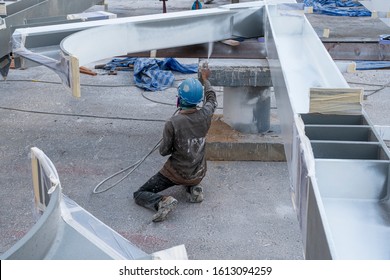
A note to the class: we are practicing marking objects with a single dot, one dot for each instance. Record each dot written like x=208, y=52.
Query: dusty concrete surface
x=113, y=125
x=251, y=195
x=359, y=28
x=226, y=143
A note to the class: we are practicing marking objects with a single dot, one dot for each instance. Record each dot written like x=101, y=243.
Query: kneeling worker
x=184, y=139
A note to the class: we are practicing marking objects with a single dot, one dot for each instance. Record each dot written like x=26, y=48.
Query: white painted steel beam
x=107, y=38
x=144, y=33
x=379, y=8
x=66, y=231
x=377, y=5
x=15, y=14
x=305, y=63
x=339, y=166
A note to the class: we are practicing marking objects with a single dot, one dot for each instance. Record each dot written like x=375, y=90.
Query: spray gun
x=205, y=65
x=205, y=68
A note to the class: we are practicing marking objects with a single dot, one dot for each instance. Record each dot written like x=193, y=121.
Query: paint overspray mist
x=206, y=64
x=210, y=51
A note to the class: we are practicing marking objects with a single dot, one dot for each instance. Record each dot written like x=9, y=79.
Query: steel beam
x=142, y=33
x=338, y=164
x=247, y=49
x=16, y=14
x=246, y=92
x=66, y=231
x=378, y=8
x=150, y=32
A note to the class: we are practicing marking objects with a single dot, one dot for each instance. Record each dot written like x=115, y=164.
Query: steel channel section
x=39, y=239
x=295, y=157
x=358, y=187
x=22, y=10
x=38, y=9
x=377, y=5
x=134, y=34
x=380, y=7
x=145, y=33
x=340, y=180
x=340, y=133
x=67, y=231
x=248, y=49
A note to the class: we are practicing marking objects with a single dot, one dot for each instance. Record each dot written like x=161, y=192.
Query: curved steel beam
x=144, y=33
x=16, y=13
x=66, y=231
x=92, y=41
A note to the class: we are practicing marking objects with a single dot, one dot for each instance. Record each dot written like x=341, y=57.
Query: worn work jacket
x=184, y=139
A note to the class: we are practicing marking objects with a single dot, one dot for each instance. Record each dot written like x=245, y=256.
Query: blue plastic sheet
x=371, y=65
x=338, y=8
x=152, y=74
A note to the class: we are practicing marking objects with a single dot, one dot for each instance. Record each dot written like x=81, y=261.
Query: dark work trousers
x=148, y=195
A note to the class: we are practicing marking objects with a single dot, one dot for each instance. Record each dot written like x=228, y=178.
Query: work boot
x=195, y=194
x=166, y=205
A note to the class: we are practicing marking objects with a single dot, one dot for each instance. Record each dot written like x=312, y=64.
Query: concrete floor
x=247, y=212
x=250, y=195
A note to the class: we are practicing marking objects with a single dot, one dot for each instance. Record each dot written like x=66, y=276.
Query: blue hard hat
x=190, y=91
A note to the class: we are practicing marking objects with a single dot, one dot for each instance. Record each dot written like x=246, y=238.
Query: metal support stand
x=247, y=109
x=5, y=63
x=164, y=6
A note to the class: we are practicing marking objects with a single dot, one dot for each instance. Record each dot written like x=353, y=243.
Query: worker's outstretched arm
x=210, y=103
x=166, y=145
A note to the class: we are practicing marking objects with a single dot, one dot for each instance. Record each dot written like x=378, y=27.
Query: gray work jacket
x=184, y=139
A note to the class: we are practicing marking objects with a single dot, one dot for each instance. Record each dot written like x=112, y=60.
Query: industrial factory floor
x=247, y=212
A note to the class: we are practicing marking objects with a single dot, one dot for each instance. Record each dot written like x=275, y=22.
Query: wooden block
x=85, y=70
x=308, y=10
x=12, y=65
x=3, y=9
x=351, y=67
x=326, y=33
x=346, y=66
x=344, y=101
x=231, y=42
x=74, y=76
x=153, y=53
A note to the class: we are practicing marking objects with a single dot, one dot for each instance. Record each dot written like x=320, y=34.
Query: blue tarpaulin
x=153, y=74
x=370, y=65
x=338, y=7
